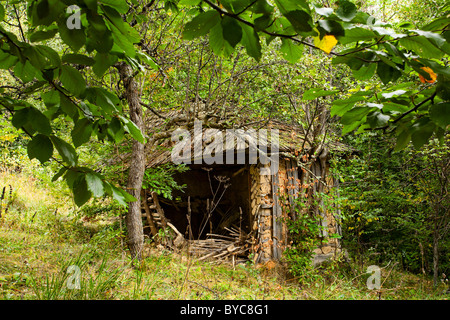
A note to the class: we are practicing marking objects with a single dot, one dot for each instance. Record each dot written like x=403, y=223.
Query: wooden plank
x=159, y=210
x=150, y=221
x=276, y=224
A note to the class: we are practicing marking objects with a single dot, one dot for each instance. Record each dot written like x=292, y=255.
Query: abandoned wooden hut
x=238, y=194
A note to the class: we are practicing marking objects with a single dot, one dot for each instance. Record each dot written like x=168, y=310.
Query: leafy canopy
x=95, y=36
x=98, y=39
x=411, y=64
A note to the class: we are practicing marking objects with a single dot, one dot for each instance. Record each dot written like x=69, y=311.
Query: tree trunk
x=136, y=171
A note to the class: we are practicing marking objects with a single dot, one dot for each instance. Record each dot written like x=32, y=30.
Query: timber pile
x=235, y=246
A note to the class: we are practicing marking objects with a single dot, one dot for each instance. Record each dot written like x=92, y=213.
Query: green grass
x=39, y=243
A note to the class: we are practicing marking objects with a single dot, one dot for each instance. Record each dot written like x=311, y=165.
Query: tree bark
x=133, y=219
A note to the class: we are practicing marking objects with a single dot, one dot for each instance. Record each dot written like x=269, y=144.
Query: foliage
x=57, y=69
x=161, y=181
x=33, y=251
x=69, y=71
x=304, y=236
x=389, y=210
x=414, y=110
x=95, y=287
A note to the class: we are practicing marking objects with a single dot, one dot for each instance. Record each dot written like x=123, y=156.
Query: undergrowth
x=51, y=250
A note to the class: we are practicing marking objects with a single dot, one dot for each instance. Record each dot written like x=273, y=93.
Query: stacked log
x=234, y=246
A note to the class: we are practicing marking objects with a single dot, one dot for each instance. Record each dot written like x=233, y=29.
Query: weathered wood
x=276, y=216
x=148, y=215
x=159, y=210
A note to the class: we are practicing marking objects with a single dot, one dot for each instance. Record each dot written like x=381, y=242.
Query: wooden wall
x=268, y=196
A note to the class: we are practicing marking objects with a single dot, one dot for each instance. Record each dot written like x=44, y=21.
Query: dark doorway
x=219, y=199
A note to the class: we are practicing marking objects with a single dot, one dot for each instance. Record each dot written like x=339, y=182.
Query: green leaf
x=45, y=12
x=123, y=34
x=51, y=57
x=331, y=27
x=403, y=140
x=95, y=184
x=71, y=176
x=7, y=60
x=386, y=73
x=440, y=114
x=116, y=130
x=357, y=34
x=116, y=20
x=300, y=20
x=232, y=31
x=2, y=12
x=217, y=42
x=42, y=35
x=346, y=10
x=103, y=62
x=201, y=24
x=250, y=40
x=437, y=24
x=286, y=6
x=120, y=5
x=434, y=37
x=36, y=58
x=40, y=147
x=377, y=119
x=25, y=71
x=81, y=194
x=20, y=118
x=81, y=132
x=394, y=107
x=39, y=121
x=326, y=12
x=50, y=98
x=66, y=151
x=314, y=93
x=144, y=58
x=443, y=87
x=131, y=127
x=74, y=38
x=59, y=174
x=189, y=3
x=107, y=101
x=351, y=126
x=422, y=46
x=123, y=43
x=290, y=50
x=365, y=72
x=355, y=114
x=117, y=194
x=99, y=37
x=67, y=106
x=80, y=59
x=263, y=7
x=421, y=131
x=72, y=80
x=340, y=109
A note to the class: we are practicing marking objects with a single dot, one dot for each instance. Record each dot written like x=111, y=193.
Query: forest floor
x=42, y=236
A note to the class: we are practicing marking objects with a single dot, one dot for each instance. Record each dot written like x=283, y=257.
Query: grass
x=43, y=235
